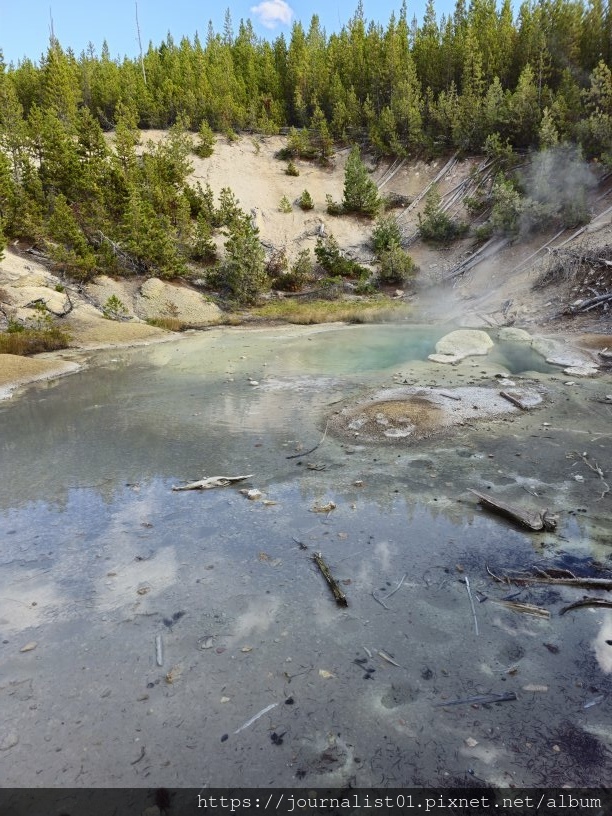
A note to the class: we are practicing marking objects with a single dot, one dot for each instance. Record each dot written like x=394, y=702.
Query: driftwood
x=212, y=481
x=586, y=602
x=544, y=577
x=525, y=608
x=508, y=395
x=532, y=520
x=480, y=699
x=333, y=584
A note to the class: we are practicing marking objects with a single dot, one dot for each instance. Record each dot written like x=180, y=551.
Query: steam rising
x=556, y=183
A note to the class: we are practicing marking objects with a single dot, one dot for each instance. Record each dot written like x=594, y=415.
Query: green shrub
x=277, y=264
x=484, y=232
x=396, y=266
x=332, y=260
x=305, y=201
x=360, y=192
x=206, y=141
x=291, y=170
x=299, y=275
x=435, y=225
x=385, y=233
x=114, y=309
x=285, y=205
x=202, y=247
x=243, y=270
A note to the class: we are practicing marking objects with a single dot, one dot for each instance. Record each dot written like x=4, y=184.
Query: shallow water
x=100, y=556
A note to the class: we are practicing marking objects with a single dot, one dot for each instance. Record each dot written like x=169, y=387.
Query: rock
x=581, y=370
x=162, y=299
x=29, y=647
x=8, y=741
x=24, y=297
x=461, y=343
x=511, y=335
x=557, y=353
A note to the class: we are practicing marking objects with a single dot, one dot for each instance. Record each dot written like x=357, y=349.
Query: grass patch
x=293, y=310
x=33, y=341
x=172, y=324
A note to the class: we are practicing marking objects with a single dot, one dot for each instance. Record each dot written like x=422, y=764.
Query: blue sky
x=25, y=24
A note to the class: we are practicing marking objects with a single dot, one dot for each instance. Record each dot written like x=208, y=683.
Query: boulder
x=461, y=343
x=24, y=297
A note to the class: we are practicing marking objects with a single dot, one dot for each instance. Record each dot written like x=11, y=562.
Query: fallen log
x=590, y=303
x=212, y=481
x=533, y=520
x=331, y=581
x=543, y=577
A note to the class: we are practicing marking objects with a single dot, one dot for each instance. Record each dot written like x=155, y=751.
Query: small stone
x=471, y=742
x=556, y=749
x=225, y=699
x=29, y=646
x=8, y=741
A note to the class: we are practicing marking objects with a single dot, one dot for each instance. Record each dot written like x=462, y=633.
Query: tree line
x=403, y=87
x=479, y=79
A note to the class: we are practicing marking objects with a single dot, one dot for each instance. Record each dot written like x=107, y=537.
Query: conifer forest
x=488, y=79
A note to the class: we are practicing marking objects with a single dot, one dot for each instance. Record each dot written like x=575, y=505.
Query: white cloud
x=272, y=12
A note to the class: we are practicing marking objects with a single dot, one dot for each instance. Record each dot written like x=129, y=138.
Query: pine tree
x=206, y=141
x=360, y=192
x=243, y=269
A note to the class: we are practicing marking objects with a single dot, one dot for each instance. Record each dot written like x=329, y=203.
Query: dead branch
x=586, y=602
x=544, y=577
x=305, y=453
x=331, y=581
x=596, y=469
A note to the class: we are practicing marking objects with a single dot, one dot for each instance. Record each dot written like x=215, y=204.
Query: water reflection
x=100, y=558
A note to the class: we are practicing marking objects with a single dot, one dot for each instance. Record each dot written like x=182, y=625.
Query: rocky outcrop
x=58, y=303
x=573, y=361
x=159, y=298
